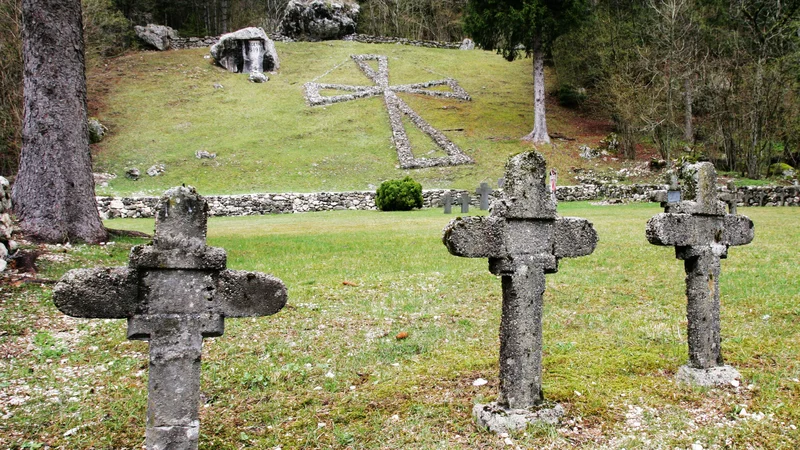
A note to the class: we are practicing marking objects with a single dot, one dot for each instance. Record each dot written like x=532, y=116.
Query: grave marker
x=701, y=233
x=464, y=202
x=447, y=199
x=524, y=239
x=173, y=293
x=484, y=192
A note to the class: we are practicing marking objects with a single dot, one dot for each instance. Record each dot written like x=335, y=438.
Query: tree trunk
x=688, y=129
x=54, y=191
x=539, y=134
x=224, y=7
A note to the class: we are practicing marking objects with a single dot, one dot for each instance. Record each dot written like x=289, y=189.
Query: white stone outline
x=397, y=108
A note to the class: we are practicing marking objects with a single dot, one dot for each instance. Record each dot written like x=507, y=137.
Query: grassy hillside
x=162, y=107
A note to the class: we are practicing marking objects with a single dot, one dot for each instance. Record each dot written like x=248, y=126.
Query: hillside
x=163, y=107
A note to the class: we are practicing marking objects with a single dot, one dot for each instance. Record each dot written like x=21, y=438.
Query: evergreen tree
x=524, y=27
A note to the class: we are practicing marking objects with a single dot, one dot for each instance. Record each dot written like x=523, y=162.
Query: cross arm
x=739, y=230
x=573, y=237
x=685, y=230
x=249, y=294
x=672, y=229
x=98, y=293
x=475, y=237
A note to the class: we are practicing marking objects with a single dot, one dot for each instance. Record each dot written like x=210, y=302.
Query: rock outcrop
x=248, y=50
x=317, y=20
x=156, y=36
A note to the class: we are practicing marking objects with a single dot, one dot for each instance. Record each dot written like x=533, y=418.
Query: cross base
x=711, y=377
x=498, y=419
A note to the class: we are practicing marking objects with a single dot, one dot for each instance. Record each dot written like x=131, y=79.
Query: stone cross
x=731, y=197
x=447, y=199
x=484, y=192
x=173, y=293
x=701, y=233
x=397, y=108
x=464, y=202
x=524, y=239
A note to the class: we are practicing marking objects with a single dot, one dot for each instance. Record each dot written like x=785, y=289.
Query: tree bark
x=53, y=193
x=688, y=129
x=539, y=134
x=224, y=7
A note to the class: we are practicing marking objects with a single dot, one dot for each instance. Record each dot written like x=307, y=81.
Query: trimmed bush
x=399, y=195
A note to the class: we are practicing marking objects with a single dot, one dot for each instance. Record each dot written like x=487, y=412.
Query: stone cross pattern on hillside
x=173, y=293
x=397, y=108
x=524, y=239
x=701, y=232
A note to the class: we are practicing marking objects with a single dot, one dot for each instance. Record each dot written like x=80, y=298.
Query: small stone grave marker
x=464, y=202
x=174, y=293
x=447, y=199
x=524, y=239
x=701, y=233
x=484, y=192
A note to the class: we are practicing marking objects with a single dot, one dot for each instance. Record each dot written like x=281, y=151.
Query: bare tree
x=54, y=191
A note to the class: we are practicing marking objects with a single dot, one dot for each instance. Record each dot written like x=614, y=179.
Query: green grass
x=161, y=107
x=614, y=325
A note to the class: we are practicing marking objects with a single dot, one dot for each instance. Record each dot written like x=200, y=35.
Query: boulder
x=248, y=50
x=467, y=44
x=157, y=36
x=97, y=130
x=317, y=20
x=156, y=170
x=133, y=173
x=258, y=77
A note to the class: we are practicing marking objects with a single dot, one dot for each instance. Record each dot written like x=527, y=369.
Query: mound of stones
x=317, y=20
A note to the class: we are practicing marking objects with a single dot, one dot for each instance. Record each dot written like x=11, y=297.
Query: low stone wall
x=770, y=196
x=192, y=42
x=369, y=39
x=288, y=203
x=208, y=41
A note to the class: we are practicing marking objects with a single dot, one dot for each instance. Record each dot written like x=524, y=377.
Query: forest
x=699, y=79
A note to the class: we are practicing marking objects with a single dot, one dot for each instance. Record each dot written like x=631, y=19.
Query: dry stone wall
x=288, y=203
x=182, y=43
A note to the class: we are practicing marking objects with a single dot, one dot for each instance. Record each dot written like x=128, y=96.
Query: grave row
x=178, y=291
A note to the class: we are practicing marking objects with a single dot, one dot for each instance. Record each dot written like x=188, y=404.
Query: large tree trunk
x=54, y=191
x=539, y=134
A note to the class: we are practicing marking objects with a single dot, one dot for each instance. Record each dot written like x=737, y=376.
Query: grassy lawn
x=329, y=372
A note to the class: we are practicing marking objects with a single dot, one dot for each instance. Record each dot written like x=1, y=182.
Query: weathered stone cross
x=397, y=107
x=484, y=192
x=524, y=239
x=701, y=232
x=173, y=293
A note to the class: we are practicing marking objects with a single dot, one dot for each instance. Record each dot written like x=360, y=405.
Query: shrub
x=570, y=96
x=399, y=195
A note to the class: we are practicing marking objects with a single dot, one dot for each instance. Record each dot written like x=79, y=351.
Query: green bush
x=570, y=96
x=399, y=195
